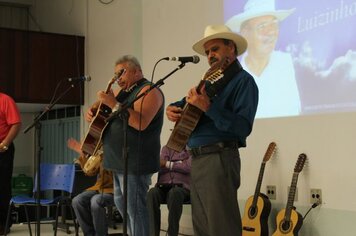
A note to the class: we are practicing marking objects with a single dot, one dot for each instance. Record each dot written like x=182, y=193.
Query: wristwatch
x=3, y=146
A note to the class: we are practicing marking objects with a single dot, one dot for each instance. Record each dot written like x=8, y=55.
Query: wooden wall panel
x=33, y=64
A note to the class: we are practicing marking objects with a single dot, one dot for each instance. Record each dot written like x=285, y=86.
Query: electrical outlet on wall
x=271, y=192
x=315, y=196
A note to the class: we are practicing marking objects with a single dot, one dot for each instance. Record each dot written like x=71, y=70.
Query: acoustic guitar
x=289, y=221
x=92, y=141
x=258, y=206
x=191, y=114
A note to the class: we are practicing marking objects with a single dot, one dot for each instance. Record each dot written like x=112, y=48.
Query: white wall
x=155, y=29
x=170, y=28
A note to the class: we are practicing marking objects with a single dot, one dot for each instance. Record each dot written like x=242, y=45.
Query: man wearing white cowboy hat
x=229, y=106
x=273, y=70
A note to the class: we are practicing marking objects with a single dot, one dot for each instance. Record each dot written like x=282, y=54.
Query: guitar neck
x=259, y=183
x=200, y=85
x=108, y=87
x=291, y=196
x=101, y=106
x=191, y=114
x=92, y=140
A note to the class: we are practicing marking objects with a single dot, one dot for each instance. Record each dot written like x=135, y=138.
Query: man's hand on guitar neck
x=173, y=113
x=107, y=98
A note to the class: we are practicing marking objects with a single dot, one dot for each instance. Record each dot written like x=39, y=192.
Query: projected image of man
x=273, y=70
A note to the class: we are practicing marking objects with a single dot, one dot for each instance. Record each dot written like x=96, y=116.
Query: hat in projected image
x=256, y=8
x=220, y=32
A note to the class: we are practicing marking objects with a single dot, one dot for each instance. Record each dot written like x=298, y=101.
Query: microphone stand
x=124, y=115
x=36, y=123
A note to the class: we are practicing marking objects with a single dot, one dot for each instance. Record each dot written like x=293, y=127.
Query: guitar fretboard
x=259, y=183
x=291, y=196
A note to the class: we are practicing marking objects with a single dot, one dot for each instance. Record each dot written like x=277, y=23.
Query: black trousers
x=174, y=199
x=6, y=168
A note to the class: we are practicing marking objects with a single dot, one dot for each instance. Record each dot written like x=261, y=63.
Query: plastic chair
x=53, y=177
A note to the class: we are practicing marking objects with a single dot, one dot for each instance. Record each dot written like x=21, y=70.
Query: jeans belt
x=211, y=148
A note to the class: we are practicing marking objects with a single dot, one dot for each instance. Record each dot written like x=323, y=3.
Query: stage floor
x=46, y=230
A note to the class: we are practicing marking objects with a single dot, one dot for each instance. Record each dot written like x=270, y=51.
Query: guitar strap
x=213, y=89
x=124, y=94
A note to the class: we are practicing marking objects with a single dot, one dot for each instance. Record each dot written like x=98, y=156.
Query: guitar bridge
x=249, y=229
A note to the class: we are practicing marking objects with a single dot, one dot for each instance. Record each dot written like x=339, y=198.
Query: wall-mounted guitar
x=258, y=206
x=289, y=221
x=191, y=114
x=92, y=141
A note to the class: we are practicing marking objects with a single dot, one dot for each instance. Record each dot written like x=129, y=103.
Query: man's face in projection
x=261, y=34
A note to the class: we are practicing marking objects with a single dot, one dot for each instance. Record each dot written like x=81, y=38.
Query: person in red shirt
x=10, y=124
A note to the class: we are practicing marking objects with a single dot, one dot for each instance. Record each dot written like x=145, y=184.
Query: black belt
x=211, y=148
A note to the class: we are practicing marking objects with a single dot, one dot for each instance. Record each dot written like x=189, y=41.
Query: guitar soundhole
x=105, y=110
x=252, y=212
x=285, y=226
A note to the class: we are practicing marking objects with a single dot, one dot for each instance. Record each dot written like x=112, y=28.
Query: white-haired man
x=273, y=70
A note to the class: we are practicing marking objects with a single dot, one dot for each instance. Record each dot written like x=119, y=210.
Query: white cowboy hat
x=220, y=32
x=256, y=8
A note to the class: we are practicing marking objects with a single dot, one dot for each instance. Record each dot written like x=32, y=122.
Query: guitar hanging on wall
x=289, y=221
x=258, y=206
x=92, y=141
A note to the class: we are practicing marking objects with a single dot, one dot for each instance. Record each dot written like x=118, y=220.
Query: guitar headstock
x=300, y=163
x=270, y=150
x=116, y=77
x=216, y=71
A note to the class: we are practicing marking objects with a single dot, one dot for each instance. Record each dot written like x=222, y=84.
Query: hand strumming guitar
x=199, y=99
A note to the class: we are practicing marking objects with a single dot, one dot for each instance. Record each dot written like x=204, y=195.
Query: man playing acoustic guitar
x=229, y=107
x=143, y=140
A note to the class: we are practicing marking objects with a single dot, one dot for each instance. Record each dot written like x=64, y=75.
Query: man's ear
x=232, y=47
x=138, y=72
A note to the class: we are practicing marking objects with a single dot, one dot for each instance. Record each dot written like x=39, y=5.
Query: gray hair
x=130, y=60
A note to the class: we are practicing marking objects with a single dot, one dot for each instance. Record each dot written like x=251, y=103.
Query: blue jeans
x=89, y=208
x=137, y=187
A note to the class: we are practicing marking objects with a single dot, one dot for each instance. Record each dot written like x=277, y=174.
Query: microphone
x=80, y=78
x=194, y=59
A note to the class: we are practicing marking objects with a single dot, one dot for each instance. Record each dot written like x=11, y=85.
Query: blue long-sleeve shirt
x=231, y=114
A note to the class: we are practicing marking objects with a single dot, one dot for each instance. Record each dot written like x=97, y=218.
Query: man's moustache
x=213, y=59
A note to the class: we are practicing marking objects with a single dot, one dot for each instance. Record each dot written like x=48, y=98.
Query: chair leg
x=56, y=222
x=74, y=220
x=7, y=224
x=28, y=221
